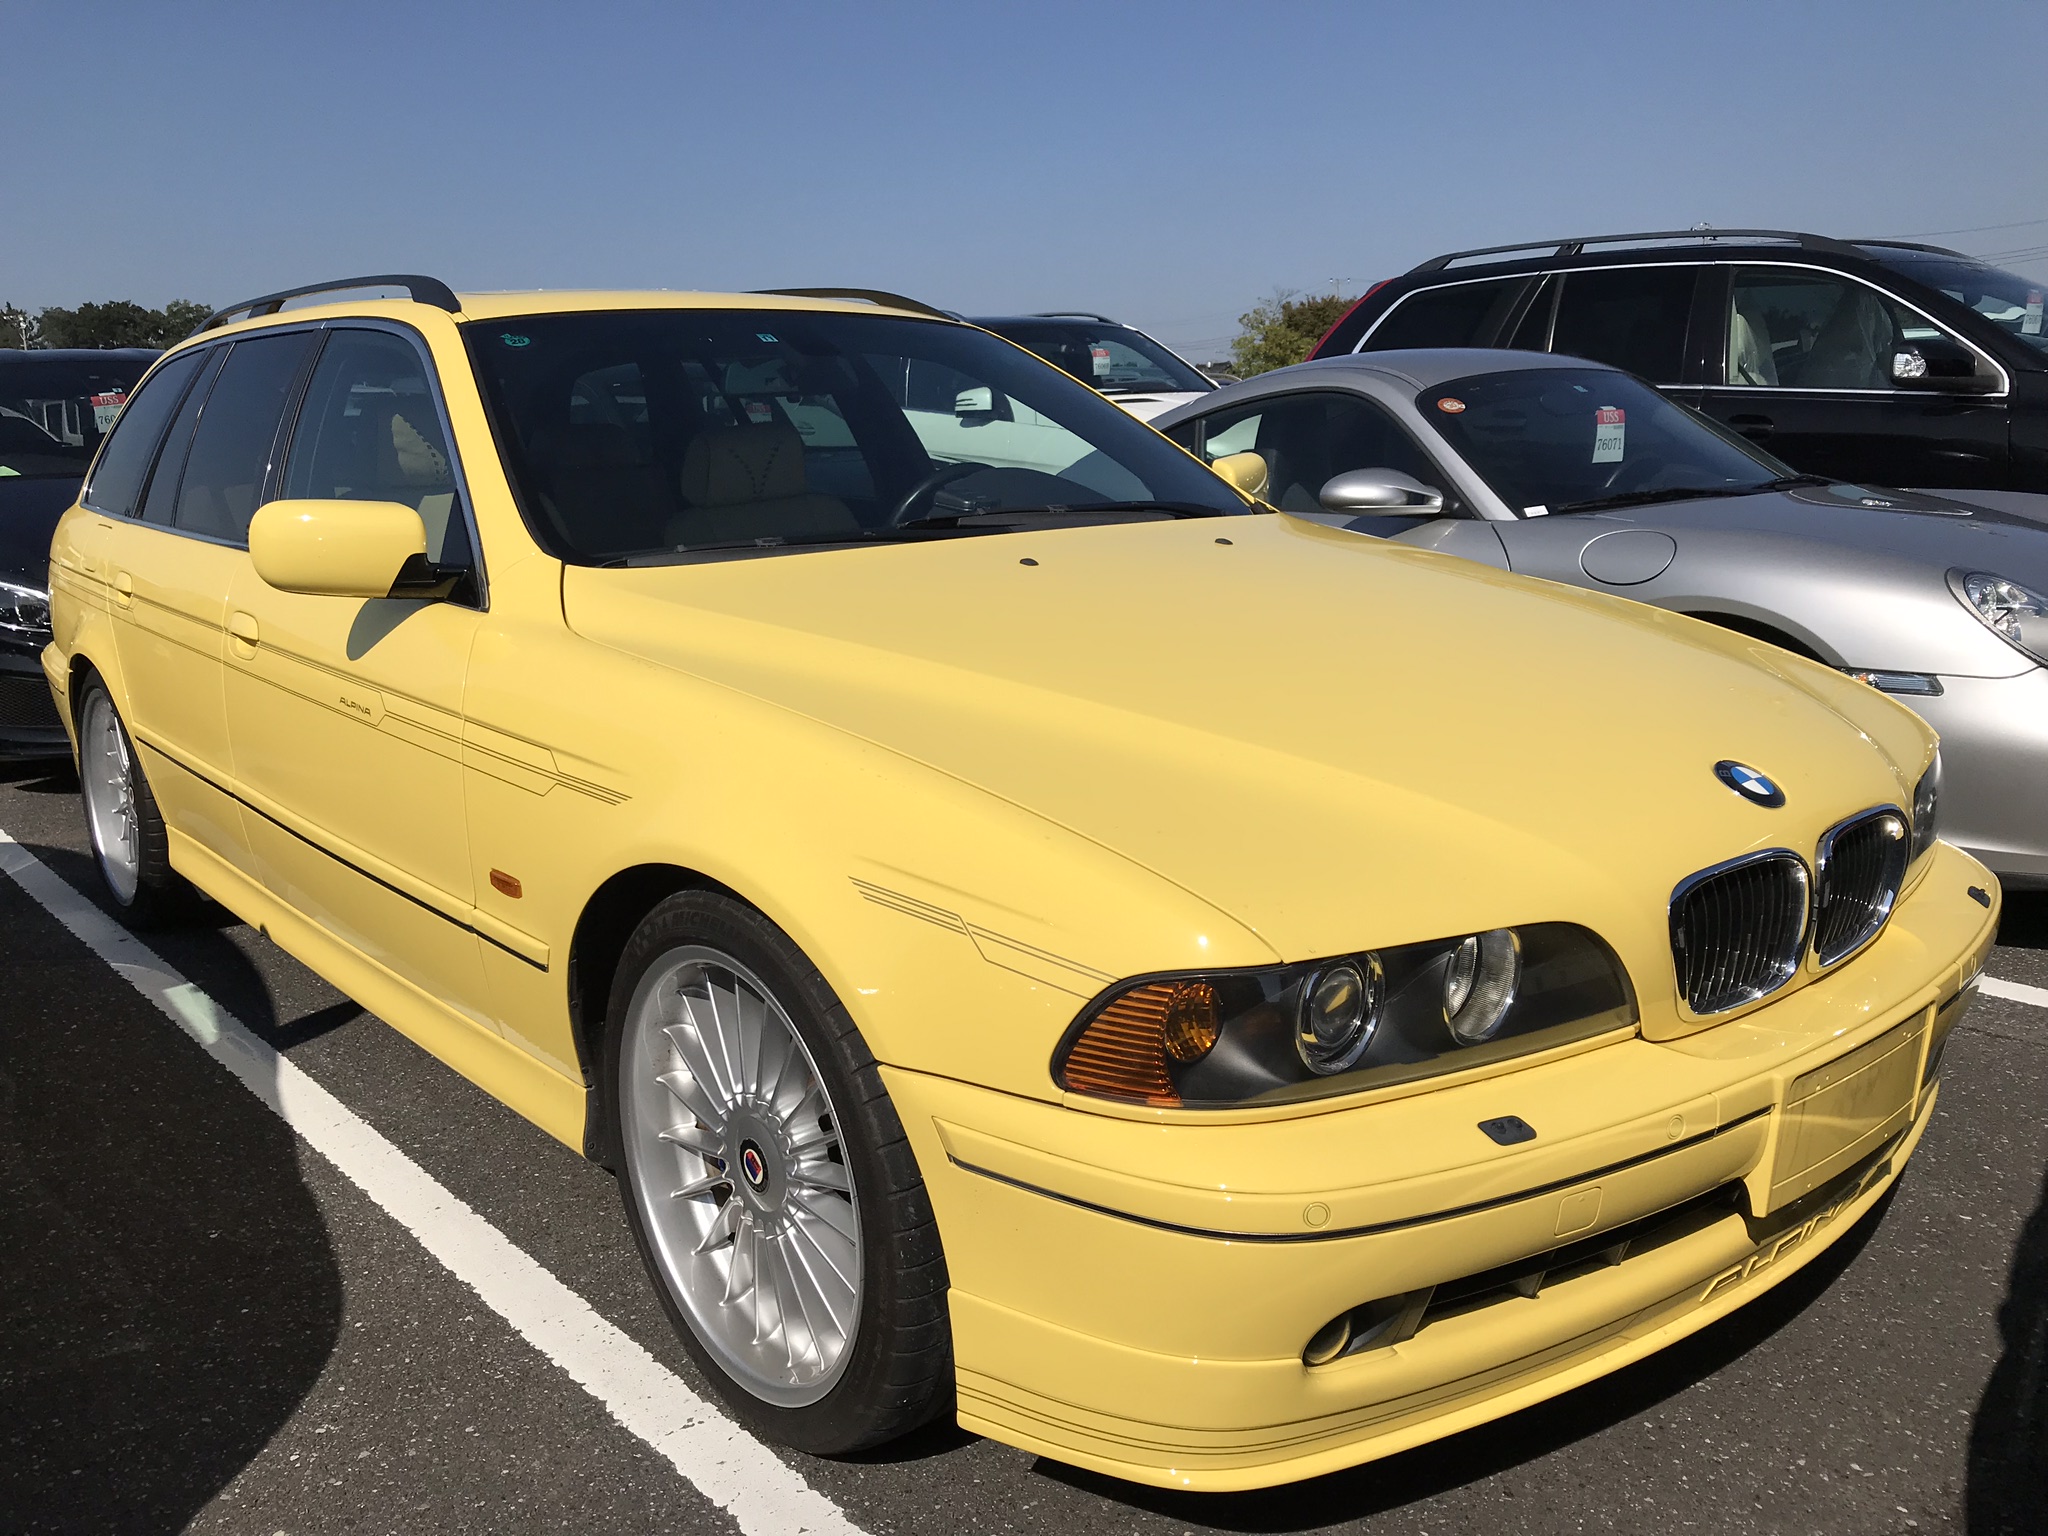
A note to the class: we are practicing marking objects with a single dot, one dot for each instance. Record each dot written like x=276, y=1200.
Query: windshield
x=1573, y=439
x=649, y=434
x=55, y=410
x=1113, y=358
x=2009, y=301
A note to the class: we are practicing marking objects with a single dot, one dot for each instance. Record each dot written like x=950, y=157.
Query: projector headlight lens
x=1340, y=1010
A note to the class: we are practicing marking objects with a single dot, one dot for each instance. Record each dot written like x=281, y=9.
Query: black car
x=1871, y=360
x=1143, y=376
x=55, y=406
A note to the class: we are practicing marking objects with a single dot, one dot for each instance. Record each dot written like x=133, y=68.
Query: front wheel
x=769, y=1184
x=130, y=846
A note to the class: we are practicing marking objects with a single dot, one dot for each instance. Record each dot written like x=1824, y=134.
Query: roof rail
x=1070, y=314
x=870, y=295
x=1914, y=245
x=1577, y=244
x=423, y=290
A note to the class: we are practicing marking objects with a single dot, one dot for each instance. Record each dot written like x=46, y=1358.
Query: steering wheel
x=944, y=474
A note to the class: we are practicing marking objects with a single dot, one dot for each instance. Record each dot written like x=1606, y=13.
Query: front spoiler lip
x=1403, y=1224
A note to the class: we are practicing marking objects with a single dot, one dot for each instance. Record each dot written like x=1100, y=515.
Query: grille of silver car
x=1856, y=880
x=1738, y=930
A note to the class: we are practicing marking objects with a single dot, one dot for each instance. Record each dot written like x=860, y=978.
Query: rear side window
x=1628, y=317
x=1456, y=315
x=370, y=431
x=117, y=482
x=231, y=451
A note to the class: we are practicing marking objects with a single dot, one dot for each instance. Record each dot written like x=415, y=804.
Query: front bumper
x=1994, y=764
x=1133, y=1293
x=29, y=724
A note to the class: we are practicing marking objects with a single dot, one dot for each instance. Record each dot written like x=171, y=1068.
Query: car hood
x=29, y=510
x=1337, y=741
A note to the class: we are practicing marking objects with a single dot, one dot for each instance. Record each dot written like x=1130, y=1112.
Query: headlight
x=2017, y=615
x=1926, y=808
x=1280, y=1033
x=24, y=612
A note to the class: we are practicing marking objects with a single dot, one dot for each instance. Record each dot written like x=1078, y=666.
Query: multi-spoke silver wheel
x=106, y=770
x=735, y=1161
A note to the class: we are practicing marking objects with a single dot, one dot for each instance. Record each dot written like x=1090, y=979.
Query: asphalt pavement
x=208, y=1323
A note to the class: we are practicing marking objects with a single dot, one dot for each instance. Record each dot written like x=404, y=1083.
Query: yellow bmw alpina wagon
x=1197, y=994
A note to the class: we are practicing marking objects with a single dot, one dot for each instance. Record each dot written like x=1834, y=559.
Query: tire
x=761, y=1161
x=131, y=849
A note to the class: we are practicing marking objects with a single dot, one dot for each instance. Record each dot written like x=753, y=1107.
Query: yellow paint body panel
x=976, y=792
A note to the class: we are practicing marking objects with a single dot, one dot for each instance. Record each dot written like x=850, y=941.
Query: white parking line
x=2013, y=991
x=726, y=1464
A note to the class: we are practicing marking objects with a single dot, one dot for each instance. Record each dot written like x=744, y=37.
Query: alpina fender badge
x=1754, y=787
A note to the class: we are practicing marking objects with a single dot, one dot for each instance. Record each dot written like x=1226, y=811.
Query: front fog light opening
x=1340, y=1014
x=1479, y=984
x=1377, y=1324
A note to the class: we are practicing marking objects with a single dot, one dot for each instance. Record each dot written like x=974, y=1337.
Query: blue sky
x=1167, y=164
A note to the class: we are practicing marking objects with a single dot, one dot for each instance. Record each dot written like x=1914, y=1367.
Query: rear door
x=1636, y=318
x=1806, y=374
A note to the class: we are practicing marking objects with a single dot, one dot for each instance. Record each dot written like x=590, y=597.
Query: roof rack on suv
x=871, y=295
x=1914, y=245
x=1574, y=246
x=423, y=290
x=1070, y=314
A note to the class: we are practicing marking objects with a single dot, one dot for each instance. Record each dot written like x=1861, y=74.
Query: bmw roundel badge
x=1754, y=787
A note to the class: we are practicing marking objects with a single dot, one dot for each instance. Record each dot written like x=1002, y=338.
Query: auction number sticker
x=1100, y=357
x=2030, y=325
x=105, y=408
x=1610, y=423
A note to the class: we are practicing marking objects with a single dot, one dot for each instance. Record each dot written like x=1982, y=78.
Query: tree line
x=116, y=323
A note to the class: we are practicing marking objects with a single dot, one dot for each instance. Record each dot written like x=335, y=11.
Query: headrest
x=584, y=445
x=729, y=466
x=419, y=461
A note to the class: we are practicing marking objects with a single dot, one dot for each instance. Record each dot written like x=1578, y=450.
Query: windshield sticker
x=1450, y=406
x=1539, y=510
x=2031, y=325
x=105, y=408
x=511, y=340
x=764, y=336
x=1609, y=423
x=760, y=411
x=1100, y=356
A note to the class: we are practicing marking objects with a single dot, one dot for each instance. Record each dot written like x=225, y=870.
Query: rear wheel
x=130, y=846
x=769, y=1184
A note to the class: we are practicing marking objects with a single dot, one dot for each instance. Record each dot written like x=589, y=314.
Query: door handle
x=243, y=633
x=1752, y=426
x=124, y=588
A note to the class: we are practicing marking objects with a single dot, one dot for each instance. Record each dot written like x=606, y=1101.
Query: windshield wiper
x=764, y=546
x=1007, y=516
x=1689, y=493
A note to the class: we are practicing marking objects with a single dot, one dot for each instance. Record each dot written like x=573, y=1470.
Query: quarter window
x=1627, y=317
x=117, y=482
x=1455, y=315
x=231, y=450
x=1306, y=439
x=160, y=502
x=1814, y=330
x=370, y=430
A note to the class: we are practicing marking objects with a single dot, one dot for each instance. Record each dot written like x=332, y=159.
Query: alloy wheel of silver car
x=106, y=767
x=734, y=1158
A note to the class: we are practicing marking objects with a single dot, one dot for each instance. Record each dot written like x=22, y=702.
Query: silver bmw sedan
x=1556, y=467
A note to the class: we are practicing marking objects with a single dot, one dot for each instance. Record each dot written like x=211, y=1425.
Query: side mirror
x=1936, y=362
x=336, y=548
x=979, y=401
x=1380, y=493
x=1246, y=471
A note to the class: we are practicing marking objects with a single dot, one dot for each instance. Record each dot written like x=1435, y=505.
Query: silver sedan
x=1565, y=469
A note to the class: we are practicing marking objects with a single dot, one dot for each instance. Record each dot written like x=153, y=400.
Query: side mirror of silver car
x=1380, y=492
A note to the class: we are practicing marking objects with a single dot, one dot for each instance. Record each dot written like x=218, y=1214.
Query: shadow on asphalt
x=1432, y=1470
x=171, y=1291
x=2008, y=1487
x=2024, y=922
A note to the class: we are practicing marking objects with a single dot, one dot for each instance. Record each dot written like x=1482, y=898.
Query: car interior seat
x=413, y=470
x=1853, y=345
x=602, y=492
x=750, y=483
x=1750, y=360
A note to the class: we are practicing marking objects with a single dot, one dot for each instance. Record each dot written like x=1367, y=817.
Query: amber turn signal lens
x=1192, y=1021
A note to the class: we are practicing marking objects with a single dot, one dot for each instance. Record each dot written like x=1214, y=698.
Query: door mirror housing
x=978, y=401
x=338, y=548
x=1245, y=472
x=1938, y=363
x=1380, y=493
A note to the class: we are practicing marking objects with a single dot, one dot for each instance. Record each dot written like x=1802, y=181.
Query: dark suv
x=1872, y=360
x=54, y=409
